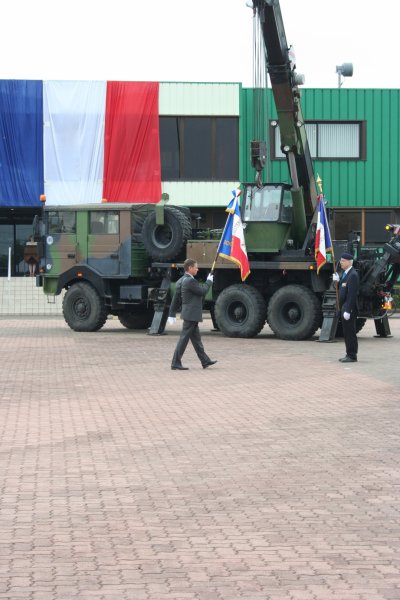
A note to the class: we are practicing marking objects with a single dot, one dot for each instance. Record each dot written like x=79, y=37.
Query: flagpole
x=318, y=181
x=221, y=238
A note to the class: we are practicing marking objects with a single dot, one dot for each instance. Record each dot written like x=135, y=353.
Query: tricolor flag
x=323, y=242
x=79, y=142
x=232, y=245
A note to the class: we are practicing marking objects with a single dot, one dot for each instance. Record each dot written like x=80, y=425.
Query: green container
x=140, y=260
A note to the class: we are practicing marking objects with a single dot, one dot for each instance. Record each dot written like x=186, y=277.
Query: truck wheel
x=83, y=308
x=138, y=224
x=164, y=242
x=294, y=313
x=137, y=319
x=359, y=325
x=240, y=311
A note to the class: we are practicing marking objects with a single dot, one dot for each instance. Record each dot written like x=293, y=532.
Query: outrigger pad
x=328, y=329
x=382, y=327
x=160, y=297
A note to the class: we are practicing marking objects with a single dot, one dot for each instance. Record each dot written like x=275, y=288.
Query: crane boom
x=281, y=66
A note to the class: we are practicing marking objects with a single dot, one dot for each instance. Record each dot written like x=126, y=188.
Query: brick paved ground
x=273, y=475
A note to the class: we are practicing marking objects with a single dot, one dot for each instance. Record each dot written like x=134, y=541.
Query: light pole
x=344, y=70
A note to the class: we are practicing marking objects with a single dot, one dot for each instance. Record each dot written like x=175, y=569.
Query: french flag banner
x=323, y=242
x=79, y=142
x=232, y=244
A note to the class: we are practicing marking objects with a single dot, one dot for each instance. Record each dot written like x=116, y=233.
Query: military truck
x=124, y=259
x=97, y=253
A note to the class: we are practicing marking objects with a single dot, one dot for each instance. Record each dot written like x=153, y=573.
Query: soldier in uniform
x=348, y=292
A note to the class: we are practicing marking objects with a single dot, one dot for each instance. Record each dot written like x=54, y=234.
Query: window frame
x=50, y=227
x=214, y=140
x=107, y=221
x=362, y=139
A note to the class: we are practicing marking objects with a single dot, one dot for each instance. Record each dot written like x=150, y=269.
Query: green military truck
x=103, y=256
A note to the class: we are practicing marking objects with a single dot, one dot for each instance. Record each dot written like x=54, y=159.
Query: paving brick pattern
x=273, y=475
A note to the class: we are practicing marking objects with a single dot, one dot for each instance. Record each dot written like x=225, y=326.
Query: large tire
x=83, y=308
x=138, y=224
x=359, y=325
x=212, y=315
x=137, y=319
x=240, y=311
x=165, y=242
x=294, y=313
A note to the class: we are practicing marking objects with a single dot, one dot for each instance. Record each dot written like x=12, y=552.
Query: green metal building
x=354, y=137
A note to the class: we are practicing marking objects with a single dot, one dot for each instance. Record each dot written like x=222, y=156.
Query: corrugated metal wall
x=370, y=183
x=199, y=99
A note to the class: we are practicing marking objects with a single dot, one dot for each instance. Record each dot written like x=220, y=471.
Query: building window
x=346, y=224
x=199, y=148
x=329, y=140
x=375, y=223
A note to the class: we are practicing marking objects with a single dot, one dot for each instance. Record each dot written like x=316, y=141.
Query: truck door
x=104, y=247
x=61, y=241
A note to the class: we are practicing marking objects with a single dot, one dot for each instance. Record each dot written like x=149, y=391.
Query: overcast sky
x=183, y=40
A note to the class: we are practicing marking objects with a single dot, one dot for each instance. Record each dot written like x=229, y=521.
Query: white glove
x=171, y=320
x=346, y=316
x=335, y=277
x=210, y=277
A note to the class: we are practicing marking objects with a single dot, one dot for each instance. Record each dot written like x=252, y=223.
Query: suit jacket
x=189, y=294
x=348, y=291
x=176, y=303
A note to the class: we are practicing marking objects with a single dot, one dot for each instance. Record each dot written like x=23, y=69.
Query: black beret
x=347, y=256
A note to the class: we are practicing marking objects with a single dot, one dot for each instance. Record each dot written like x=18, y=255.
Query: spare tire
x=165, y=242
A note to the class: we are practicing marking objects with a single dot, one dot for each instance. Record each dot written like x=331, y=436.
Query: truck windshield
x=262, y=204
x=61, y=221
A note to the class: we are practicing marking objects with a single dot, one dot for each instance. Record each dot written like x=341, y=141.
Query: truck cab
x=89, y=236
x=267, y=215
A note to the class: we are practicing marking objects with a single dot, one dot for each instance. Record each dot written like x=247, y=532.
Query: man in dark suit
x=348, y=290
x=189, y=294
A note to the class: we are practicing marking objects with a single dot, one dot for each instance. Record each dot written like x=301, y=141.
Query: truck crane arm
x=281, y=66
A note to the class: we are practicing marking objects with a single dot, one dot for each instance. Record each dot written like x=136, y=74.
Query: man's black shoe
x=347, y=359
x=212, y=362
x=179, y=368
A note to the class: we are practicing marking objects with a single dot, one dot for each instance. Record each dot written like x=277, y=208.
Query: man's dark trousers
x=350, y=335
x=190, y=331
